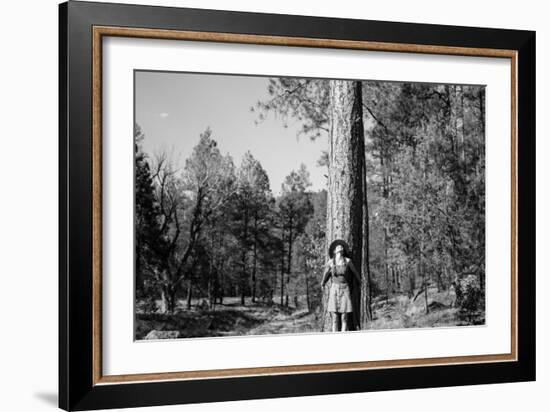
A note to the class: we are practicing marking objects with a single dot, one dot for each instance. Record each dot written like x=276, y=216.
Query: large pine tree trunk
x=345, y=201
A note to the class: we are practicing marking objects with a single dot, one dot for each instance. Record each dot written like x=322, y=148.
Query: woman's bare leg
x=335, y=316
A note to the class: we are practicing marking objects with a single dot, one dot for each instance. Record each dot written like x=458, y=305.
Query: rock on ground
x=162, y=334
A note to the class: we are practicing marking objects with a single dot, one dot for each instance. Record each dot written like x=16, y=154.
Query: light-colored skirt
x=339, y=298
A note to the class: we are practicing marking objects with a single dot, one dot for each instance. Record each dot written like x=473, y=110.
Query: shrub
x=469, y=296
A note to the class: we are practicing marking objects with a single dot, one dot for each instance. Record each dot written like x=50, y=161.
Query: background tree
x=252, y=201
x=311, y=250
x=294, y=208
x=187, y=202
x=148, y=230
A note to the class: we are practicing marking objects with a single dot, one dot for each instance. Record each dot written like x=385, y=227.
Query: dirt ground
x=229, y=319
x=233, y=319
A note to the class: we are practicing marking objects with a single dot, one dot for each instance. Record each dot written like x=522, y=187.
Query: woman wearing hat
x=340, y=270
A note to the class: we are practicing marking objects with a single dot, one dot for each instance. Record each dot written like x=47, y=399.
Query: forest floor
x=398, y=311
x=229, y=319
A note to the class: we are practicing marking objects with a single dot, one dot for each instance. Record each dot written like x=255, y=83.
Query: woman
x=340, y=270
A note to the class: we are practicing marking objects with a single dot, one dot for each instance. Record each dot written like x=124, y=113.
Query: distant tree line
x=213, y=230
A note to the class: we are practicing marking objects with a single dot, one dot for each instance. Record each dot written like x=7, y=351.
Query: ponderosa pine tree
x=335, y=109
x=251, y=201
x=187, y=201
x=294, y=208
x=147, y=228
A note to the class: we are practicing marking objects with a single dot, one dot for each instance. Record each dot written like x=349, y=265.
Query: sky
x=173, y=109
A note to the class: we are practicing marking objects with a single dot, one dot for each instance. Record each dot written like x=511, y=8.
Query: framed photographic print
x=256, y=205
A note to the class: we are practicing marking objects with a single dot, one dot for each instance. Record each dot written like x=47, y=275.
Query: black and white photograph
x=277, y=205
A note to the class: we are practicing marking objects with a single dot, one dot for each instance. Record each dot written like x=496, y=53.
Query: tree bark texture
x=345, y=180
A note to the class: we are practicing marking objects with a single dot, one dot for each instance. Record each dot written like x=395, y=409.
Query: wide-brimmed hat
x=336, y=243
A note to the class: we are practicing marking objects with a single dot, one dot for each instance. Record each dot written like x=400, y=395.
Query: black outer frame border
x=76, y=390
